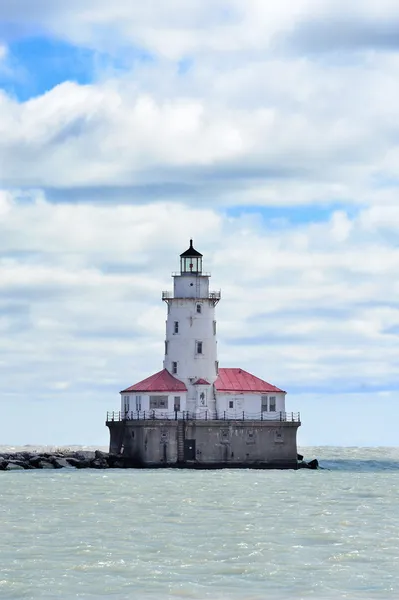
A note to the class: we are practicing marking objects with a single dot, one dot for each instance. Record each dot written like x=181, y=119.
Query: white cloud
x=267, y=114
x=248, y=123
x=305, y=305
x=3, y=52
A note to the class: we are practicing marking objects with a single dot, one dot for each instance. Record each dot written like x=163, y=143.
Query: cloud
x=113, y=135
x=318, y=311
x=268, y=132
x=249, y=122
x=3, y=52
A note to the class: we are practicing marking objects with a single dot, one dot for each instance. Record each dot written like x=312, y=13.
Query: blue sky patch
x=292, y=215
x=38, y=64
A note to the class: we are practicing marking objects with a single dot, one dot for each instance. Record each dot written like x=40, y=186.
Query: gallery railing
x=216, y=295
x=153, y=415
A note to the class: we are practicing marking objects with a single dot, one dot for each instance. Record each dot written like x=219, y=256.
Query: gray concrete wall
x=218, y=443
x=235, y=442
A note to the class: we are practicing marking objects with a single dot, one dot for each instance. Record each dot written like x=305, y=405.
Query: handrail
x=206, y=415
x=214, y=295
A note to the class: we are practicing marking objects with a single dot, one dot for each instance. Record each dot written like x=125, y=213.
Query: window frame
x=156, y=401
x=176, y=403
x=199, y=347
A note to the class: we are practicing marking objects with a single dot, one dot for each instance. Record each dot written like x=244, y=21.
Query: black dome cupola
x=191, y=261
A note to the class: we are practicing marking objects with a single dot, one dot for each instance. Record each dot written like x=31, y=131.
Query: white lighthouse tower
x=192, y=412
x=190, y=343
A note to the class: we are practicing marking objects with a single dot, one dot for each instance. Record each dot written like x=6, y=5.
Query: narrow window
x=217, y=367
x=176, y=327
x=272, y=403
x=199, y=347
x=138, y=403
x=231, y=403
x=199, y=308
x=214, y=328
x=174, y=368
x=264, y=403
x=166, y=347
x=177, y=403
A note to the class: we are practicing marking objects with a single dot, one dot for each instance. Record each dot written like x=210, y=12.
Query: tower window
x=176, y=327
x=174, y=368
x=166, y=347
x=199, y=308
x=217, y=367
x=214, y=328
x=199, y=347
x=272, y=403
x=231, y=403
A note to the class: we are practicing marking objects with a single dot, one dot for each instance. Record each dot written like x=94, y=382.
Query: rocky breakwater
x=61, y=460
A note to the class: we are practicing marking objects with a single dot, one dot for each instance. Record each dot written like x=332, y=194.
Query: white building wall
x=134, y=402
x=250, y=403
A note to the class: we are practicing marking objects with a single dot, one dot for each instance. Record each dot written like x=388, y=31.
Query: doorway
x=189, y=449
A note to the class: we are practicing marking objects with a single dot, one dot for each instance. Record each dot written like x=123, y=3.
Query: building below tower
x=193, y=413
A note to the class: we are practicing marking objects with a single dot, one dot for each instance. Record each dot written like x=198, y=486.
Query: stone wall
x=206, y=443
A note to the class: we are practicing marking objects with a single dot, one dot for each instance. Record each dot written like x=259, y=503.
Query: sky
x=269, y=133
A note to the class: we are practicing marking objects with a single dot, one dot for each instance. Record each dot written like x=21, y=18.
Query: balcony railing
x=205, y=415
x=167, y=295
x=202, y=274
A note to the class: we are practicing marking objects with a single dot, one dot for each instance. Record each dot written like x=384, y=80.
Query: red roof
x=202, y=382
x=233, y=381
x=159, y=382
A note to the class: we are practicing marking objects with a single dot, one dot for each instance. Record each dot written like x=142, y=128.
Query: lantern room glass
x=191, y=264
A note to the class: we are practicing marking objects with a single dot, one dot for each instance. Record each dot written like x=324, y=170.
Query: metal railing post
x=243, y=417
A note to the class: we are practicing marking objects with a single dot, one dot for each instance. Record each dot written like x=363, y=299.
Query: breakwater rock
x=61, y=460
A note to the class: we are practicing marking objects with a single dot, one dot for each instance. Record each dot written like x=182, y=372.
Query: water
x=230, y=534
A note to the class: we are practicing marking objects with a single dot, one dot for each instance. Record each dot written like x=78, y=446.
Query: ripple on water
x=204, y=534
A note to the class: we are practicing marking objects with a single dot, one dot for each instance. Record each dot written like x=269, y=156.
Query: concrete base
x=205, y=444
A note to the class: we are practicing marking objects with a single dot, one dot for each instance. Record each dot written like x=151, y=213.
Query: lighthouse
x=193, y=412
x=190, y=342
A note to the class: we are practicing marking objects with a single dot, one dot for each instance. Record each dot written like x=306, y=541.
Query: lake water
x=228, y=534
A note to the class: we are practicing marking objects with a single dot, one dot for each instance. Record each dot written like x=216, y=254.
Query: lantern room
x=191, y=261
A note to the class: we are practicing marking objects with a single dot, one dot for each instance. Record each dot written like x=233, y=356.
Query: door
x=189, y=449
